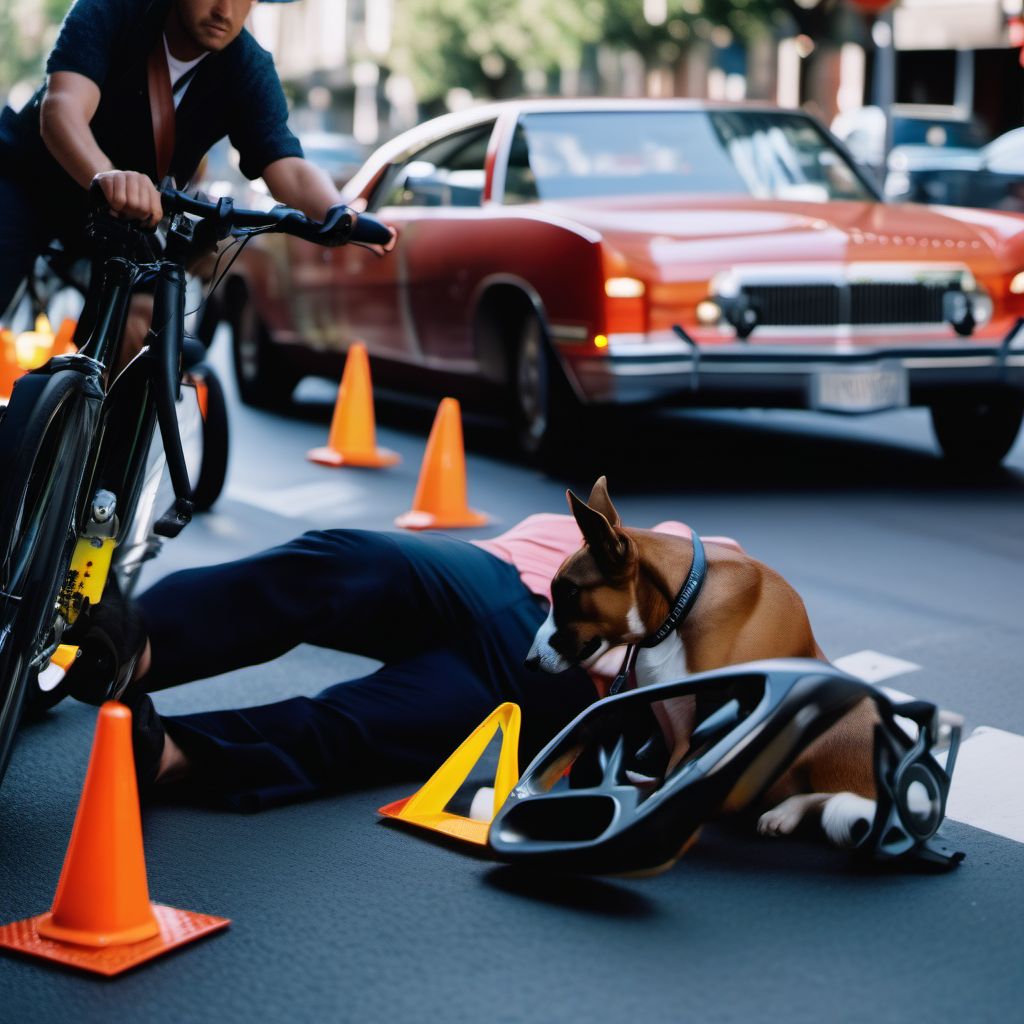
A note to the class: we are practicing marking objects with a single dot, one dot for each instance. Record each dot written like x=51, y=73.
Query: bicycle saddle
x=604, y=796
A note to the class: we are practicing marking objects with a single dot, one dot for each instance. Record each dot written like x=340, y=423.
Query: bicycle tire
x=213, y=467
x=37, y=531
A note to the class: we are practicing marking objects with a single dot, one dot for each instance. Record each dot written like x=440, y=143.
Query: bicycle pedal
x=175, y=519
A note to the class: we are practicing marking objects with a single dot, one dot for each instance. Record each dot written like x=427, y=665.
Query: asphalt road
x=339, y=917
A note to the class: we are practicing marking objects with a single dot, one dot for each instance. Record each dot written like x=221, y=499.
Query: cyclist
x=136, y=90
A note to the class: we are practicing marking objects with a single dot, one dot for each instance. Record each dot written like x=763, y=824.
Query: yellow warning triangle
x=426, y=807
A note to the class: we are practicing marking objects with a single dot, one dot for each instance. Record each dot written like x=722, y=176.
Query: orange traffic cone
x=440, y=500
x=64, y=340
x=101, y=918
x=353, y=437
x=10, y=371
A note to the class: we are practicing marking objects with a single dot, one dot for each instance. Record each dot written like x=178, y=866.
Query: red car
x=558, y=254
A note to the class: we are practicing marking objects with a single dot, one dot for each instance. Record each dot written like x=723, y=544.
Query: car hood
x=677, y=239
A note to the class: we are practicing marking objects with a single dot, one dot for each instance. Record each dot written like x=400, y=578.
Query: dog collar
x=685, y=600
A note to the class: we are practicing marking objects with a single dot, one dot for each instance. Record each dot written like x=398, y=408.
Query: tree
x=27, y=28
x=485, y=45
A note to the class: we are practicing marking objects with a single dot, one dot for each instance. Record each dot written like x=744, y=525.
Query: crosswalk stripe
x=986, y=790
x=873, y=666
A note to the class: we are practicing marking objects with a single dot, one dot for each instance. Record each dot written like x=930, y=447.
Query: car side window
x=520, y=181
x=449, y=172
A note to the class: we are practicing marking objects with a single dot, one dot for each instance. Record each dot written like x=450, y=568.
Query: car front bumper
x=882, y=377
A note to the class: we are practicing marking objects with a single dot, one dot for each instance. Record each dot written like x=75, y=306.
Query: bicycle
x=75, y=439
x=56, y=289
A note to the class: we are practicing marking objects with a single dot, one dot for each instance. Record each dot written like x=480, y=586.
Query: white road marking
x=873, y=667
x=987, y=791
x=295, y=502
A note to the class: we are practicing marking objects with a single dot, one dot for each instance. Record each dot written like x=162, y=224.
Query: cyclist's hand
x=380, y=250
x=377, y=236
x=131, y=195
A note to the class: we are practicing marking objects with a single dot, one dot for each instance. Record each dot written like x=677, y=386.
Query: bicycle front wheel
x=45, y=438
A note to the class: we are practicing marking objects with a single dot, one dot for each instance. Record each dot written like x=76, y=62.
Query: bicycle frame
x=144, y=394
x=118, y=431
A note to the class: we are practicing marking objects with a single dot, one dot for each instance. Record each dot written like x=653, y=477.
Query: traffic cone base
x=417, y=520
x=102, y=918
x=426, y=807
x=377, y=459
x=175, y=928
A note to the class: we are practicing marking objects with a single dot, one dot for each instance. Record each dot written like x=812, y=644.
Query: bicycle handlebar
x=341, y=225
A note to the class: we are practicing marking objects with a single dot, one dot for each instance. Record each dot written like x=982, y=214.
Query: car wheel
x=977, y=432
x=264, y=377
x=543, y=404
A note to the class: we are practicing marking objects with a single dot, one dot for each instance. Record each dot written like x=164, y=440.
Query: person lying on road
x=451, y=621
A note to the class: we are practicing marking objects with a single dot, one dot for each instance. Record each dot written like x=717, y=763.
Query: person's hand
x=380, y=250
x=131, y=195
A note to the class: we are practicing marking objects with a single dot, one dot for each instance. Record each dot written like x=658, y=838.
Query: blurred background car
x=562, y=256
x=992, y=176
x=935, y=138
x=339, y=154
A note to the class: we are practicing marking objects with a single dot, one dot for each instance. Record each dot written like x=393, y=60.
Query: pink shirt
x=539, y=544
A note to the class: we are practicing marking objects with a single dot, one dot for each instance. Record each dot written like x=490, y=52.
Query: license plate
x=860, y=388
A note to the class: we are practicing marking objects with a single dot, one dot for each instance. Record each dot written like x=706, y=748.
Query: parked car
x=555, y=255
x=992, y=176
x=919, y=131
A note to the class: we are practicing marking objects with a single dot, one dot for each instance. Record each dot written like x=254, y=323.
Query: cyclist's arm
x=303, y=186
x=68, y=108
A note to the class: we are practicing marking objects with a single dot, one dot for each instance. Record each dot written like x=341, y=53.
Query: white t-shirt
x=177, y=68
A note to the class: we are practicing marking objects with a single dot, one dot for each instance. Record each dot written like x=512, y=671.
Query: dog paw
x=846, y=818
x=784, y=819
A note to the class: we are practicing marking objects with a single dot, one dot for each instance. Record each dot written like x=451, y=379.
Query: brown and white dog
x=619, y=588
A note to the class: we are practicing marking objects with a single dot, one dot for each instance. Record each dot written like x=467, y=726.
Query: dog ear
x=600, y=502
x=609, y=545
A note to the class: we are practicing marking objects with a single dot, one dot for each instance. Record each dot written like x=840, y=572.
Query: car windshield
x=767, y=155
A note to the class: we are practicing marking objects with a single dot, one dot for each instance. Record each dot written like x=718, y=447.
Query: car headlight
x=1017, y=284
x=708, y=313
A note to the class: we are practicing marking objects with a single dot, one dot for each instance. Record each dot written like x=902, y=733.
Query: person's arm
x=76, y=69
x=68, y=108
x=296, y=182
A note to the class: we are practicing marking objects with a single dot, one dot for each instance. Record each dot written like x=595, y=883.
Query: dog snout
x=532, y=662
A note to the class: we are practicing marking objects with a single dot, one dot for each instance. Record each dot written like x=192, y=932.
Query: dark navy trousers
x=451, y=623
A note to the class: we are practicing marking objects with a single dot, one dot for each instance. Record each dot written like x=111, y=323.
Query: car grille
x=875, y=302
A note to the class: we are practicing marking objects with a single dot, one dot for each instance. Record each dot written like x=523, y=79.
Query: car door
x=434, y=199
